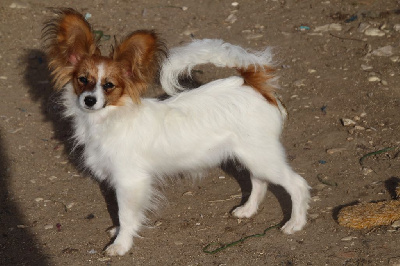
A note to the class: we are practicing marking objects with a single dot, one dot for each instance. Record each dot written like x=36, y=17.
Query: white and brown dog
x=131, y=141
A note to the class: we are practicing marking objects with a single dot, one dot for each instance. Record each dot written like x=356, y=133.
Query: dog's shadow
x=37, y=78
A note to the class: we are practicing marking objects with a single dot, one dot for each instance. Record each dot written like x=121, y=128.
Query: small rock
x=348, y=238
x=92, y=251
x=21, y=226
x=235, y=4
x=221, y=177
x=396, y=27
x=3, y=77
x=359, y=128
x=396, y=224
x=384, y=82
x=383, y=51
x=178, y=243
x=38, y=199
x=395, y=59
x=299, y=83
x=335, y=150
x=374, y=79
x=188, y=193
x=329, y=27
x=158, y=223
x=374, y=32
x=48, y=226
x=184, y=8
x=366, y=67
x=19, y=5
x=312, y=71
x=254, y=36
x=367, y=171
x=51, y=178
x=363, y=26
x=231, y=19
x=347, y=122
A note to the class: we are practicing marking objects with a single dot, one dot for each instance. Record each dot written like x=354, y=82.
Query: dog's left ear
x=140, y=55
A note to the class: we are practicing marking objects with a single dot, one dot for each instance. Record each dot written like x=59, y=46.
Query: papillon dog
x=129, y=141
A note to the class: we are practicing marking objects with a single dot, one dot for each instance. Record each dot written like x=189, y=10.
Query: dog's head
x=98, y=81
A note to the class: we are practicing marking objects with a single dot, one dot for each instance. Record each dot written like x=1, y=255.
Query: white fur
x=183, y=59
x=130, y=145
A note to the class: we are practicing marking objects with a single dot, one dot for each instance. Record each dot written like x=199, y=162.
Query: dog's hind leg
x=269, y=165
x=259, y=188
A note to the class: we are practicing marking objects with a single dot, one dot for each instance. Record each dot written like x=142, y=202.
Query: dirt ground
x=337, y=59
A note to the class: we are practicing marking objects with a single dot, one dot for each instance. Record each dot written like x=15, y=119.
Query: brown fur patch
x=257, y=78
x=68, y=39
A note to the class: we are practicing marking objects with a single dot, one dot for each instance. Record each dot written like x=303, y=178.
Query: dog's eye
x=108, y=86
x=83, y=80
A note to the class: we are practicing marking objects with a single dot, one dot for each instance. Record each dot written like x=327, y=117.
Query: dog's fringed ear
x=68, y=38
x=140, y=55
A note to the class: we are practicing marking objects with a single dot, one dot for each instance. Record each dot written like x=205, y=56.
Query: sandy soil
x=52, y=213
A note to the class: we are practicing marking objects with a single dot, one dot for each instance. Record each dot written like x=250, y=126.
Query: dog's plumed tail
x=256, y=68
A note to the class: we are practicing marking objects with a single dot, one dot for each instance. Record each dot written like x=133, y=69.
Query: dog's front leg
x=133, y=197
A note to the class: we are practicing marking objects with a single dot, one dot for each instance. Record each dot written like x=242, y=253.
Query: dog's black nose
x=90, y=101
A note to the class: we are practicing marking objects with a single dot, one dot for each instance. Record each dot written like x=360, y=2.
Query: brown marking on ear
x=68, y=40
x=139, y=55
x=257, y=78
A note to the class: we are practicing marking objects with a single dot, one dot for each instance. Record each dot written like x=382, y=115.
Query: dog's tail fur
x=256, y=68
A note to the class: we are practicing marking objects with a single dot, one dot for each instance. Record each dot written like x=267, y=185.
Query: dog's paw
x=244, y=212
x=116, y=250
x=293, y=226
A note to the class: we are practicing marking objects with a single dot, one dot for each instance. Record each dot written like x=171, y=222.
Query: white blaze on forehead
x=100, y=74
x=97, y=93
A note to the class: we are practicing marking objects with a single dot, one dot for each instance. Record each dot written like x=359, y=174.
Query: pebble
x=19, y=5
x=48, y=226
x=254, y=36
x=348, y=238
x=158, y=223
x=3, y=77
x=374, y=32
x=92, y=251
x=299, y=83
x=235, y=4
x=395, y=59
x=396, y=27
x=188, y=193
x=396, y=224
x=374, y=79
x=366, y=67
x=184, y=8
x=363, y=26
x=367, y=171
x=335, y=150
x=329, y=27
x=383, y=51
x=347, y=122
x=21, y=226
x=221, y=177
x=359, y=128
x=38, y=199
x=231, y=18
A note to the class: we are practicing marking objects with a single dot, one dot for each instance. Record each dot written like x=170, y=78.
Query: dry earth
x=337, y=59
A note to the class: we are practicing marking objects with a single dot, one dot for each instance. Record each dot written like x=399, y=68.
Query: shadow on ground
x=17, y=245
